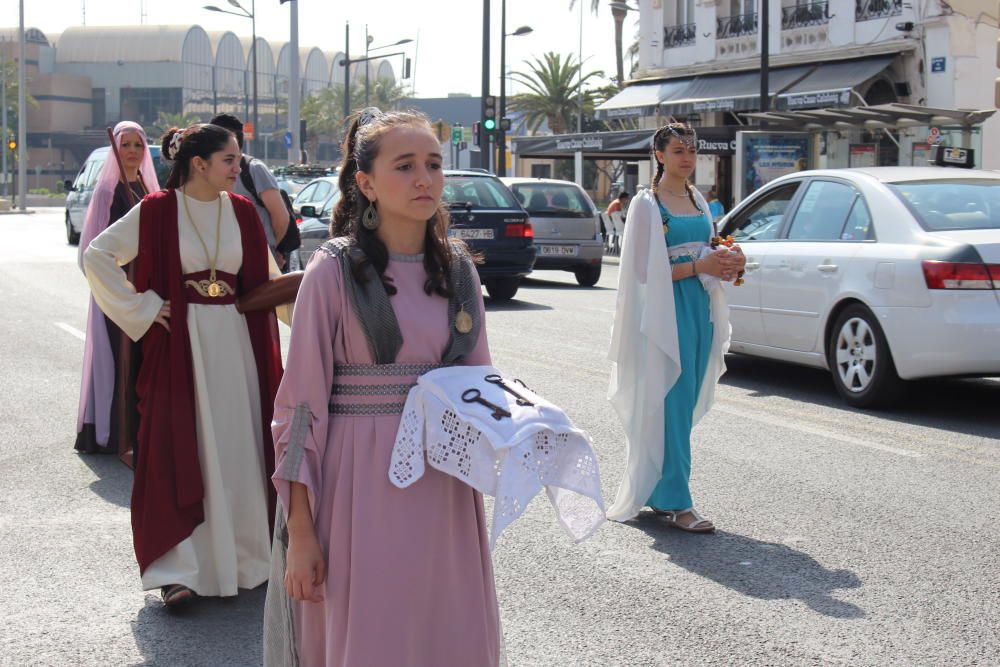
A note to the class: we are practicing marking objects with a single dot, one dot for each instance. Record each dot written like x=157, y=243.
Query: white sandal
x=699, y=525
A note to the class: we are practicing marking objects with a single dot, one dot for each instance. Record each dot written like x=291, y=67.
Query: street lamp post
x=618, y=11
x=252, y=15
x=346, y=62
x=501, y=132
x=368, y=40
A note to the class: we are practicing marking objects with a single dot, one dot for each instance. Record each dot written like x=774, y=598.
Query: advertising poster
x=863, y=155
x=764, y=156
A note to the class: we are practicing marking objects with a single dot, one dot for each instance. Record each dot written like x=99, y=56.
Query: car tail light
x=958, y=275
x=519, y=230
x=994, y=270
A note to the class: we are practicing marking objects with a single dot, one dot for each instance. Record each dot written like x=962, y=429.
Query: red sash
x=168, y=490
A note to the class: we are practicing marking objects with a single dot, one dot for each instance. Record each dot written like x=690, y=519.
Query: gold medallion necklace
x=214, y=288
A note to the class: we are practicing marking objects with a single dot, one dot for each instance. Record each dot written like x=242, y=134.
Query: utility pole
x=22, y=117
x=3, y=103
x=347, y=72
x=484, y=137
x=295, y=152
x=765, y=52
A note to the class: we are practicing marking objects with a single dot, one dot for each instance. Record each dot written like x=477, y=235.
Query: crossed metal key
x=498, y=380
x=476, y=396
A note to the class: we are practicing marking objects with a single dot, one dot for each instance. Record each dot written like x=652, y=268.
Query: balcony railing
x=866, y=10
x=736, y=26
x=679, y=35
x=802, y=16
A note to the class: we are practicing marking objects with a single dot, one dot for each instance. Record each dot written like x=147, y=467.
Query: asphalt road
x=845, y=537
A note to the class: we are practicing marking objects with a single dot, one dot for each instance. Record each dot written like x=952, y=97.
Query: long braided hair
x=360, y=148
x=661, y=139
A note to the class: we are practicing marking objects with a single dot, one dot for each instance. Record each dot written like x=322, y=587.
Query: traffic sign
x=249, y=131
x=456, y=134
x=288, y=139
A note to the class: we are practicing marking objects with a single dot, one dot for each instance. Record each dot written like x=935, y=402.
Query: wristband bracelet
x=694, y=268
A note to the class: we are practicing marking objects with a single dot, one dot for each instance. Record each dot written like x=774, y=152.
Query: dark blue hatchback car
x=489, y=218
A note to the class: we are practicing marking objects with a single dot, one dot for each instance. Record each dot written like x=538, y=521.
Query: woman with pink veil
x=107, y=420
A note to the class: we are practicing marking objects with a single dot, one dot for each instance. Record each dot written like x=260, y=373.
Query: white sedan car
x=880, y=275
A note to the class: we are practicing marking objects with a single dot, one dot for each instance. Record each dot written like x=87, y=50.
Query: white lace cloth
x=511, y=459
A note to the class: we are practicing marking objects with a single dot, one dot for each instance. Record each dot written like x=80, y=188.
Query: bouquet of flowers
x=726, y=242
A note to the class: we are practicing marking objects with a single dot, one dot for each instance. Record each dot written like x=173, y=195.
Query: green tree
x=10, y=84
x=323, y=110
x=165, y=121
x=554, y=85
x=594, y=4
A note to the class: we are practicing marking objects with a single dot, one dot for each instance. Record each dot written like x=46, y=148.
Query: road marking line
x=823, y=433
x=72, y=331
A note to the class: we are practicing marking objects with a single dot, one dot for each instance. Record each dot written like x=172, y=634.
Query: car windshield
x=477, y=192
x=553, y=200
x=952, y=204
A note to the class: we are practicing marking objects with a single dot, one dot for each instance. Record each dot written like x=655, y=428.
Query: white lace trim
x=511, y=459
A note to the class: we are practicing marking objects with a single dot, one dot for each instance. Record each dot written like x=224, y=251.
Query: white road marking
x=724, y=406
x=72, y=331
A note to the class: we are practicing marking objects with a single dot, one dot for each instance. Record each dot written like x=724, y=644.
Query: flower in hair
x=368, y=115
x=175, y=145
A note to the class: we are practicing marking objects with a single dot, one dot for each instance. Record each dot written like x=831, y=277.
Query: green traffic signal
x=490, y=124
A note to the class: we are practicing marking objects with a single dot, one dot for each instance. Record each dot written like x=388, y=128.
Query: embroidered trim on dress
x=296, y=447
x=372, y=389
x=382, y=370
x=403, y=257
x=362, y=410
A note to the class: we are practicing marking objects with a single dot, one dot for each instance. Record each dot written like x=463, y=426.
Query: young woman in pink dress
x=364, y=573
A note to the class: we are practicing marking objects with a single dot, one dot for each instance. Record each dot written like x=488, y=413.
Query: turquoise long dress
x=694, y=332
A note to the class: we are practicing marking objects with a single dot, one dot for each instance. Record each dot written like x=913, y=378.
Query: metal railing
x=866, y=10
x=679, y=35
x=802, y=16
x=736, y=26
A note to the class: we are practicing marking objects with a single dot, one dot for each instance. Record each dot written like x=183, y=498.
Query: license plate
x=473, y=234
x=560, y=250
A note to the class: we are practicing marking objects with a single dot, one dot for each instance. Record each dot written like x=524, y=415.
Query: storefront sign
x=830, y=98
x=722, y=104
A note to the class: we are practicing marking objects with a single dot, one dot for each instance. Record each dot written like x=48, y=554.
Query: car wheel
x=502, y=289
x=587, y=276
x=860, y=360
x=72, y=237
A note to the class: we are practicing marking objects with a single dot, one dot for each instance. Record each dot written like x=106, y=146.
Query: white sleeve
x=108, y=252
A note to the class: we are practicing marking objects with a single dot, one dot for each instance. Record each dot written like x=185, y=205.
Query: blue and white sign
x=938, y=64
x=288, y=139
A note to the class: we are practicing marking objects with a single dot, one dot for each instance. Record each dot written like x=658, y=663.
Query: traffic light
x=477, y=133
x=505, y=124
x=12, y=144
x=489, y=114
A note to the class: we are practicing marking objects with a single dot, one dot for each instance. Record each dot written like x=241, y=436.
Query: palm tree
x=593, y=5
x=165, y=121
x=323, y=110
x=555, y=91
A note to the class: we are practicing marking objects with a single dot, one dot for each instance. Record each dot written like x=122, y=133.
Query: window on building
x=144, y=105
x=685, y=12
x=99, y=117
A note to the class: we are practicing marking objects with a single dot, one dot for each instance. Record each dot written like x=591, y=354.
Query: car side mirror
x=308, y=212
x=68, y=186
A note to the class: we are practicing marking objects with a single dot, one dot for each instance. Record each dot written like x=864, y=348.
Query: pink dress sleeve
x=480, y=355
x=301, y=407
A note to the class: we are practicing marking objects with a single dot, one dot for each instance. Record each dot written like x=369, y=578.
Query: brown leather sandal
x=176, y=595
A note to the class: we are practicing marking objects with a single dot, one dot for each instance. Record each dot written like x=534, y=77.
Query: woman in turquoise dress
x=672, y=370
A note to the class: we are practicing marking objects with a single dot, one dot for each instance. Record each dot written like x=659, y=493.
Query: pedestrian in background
x=715, y=206
x=374, y=574
x=106, y=418
x=201, y=507
x=670, y=333
x=264, y=193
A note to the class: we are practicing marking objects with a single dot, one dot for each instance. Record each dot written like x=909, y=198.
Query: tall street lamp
x=618, y=11
x=501, y=132
x=368, y=48
x=253, y=49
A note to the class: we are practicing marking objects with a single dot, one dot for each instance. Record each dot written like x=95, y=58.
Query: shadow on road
x=539, y=283
x=516, y=304
x=210, y=631
x=948, y=404
x=762, y=570
x=114, y=479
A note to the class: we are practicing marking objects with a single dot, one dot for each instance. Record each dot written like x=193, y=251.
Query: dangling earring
x=370, y=218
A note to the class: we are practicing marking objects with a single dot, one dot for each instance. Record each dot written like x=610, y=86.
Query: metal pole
x=22, y=117
x=347, y=72
x=367, y=64
x=501, y=135
x=253, y=56
x=578, y=156
x=765, y=50
x=295, y=152
x=3, y=103
x=484, y=139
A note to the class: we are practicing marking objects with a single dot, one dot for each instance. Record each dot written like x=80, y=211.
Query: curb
x=611, y=259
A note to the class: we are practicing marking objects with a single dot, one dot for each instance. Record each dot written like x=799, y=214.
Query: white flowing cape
x=645, y=352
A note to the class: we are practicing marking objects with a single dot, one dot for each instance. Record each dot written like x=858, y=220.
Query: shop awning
x=624, y=145
x=881, y=116
x=797, y=87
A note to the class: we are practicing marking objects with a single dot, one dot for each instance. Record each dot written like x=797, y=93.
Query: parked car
x=487, y=216
x=567, y=226
x=81, y=189
x=316, y=193
x=880, y=275
x=314, y=228
x=293, y=178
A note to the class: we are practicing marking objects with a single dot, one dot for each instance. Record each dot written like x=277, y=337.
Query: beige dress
x=231, y=548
